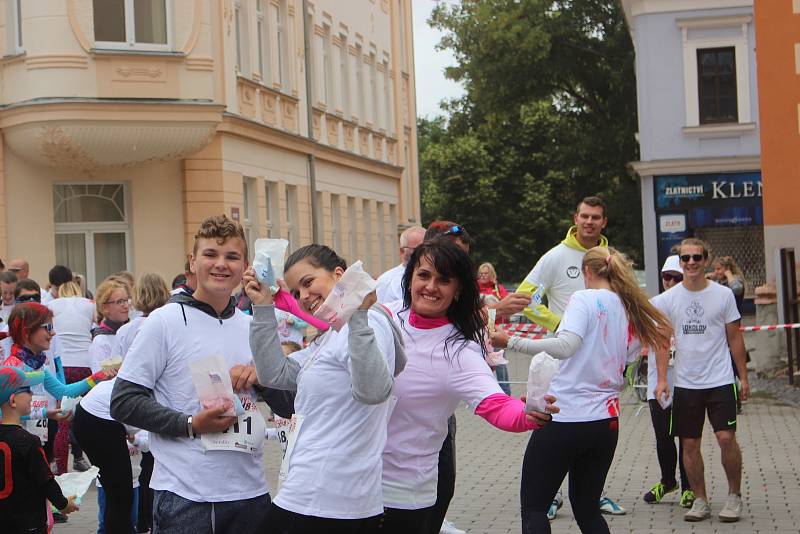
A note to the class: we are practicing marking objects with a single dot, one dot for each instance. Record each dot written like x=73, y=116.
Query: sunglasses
x=48, y=327
x=120, y=302
x=33, y=297
x=14, y=269
x=454, y=230
x=672, y=277
x=696, y=257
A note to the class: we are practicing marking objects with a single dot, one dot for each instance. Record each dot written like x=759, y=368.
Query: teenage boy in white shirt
x=197, y=491
x=706, y=328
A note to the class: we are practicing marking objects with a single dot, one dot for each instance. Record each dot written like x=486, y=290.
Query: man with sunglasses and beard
x=706, y=328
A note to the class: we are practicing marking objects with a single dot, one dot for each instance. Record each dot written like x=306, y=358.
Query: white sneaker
x=700, y=511
x=448, y=527
x=732, y=510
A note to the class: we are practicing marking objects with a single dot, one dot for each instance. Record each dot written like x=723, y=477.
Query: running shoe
x=558, y=502
x=607, y=506
x=81, y=465
x=700, y=511
x=687, y=499
x=658, y=491
x=448, y=527
x=732, y=510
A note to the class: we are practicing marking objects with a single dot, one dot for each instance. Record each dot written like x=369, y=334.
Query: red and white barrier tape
x=790, y=326
x=529, y=330
x=534, y=331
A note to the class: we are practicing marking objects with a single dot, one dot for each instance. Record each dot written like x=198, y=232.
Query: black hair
x=59, y=274
x=179, y=281
x=464, y=312
x=8, y=277
x=26, y=284
x=319, y=256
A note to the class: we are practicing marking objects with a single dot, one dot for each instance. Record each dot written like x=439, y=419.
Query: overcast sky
x=429, y=63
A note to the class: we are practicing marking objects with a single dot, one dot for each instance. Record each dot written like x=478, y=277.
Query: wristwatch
x=189, y=429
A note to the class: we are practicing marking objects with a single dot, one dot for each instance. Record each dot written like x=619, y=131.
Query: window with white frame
x=279, y=13
x=336, y=222
x=716, y=70
x=359, y=72
x=388, y=108
x=14, y=33
x=92, y=229
x=250, y=215
x=393, y=226
x=292, y=228
x=352, y=229
x=262, y=29
x=380, y=212
x=327, y=68
x=273, y=210
x=242, y=42
x=344, y=75
x=139, y=24
x=373, y=90
x=366, y=215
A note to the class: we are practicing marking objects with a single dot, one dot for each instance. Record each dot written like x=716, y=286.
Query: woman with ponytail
x=603, y=327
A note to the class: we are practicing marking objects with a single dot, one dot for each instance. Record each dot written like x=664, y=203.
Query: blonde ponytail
x=648, y=324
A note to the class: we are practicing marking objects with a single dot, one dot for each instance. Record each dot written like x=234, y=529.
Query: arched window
x=92, y=229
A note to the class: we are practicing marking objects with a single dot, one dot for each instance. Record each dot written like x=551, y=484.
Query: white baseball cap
x=672, y=263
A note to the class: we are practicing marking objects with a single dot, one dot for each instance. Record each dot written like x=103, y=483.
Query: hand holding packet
x=541, y=372
x=346, y=296
x=212, y=381
x=77, y=483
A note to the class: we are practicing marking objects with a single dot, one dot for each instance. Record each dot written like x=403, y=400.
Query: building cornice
x=255, y=131
x=696, y=165
x=635, y=8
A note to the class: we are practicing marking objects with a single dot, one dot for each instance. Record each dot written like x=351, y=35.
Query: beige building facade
x=126, y=122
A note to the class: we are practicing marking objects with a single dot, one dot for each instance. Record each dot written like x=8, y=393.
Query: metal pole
x=788, y=304
x=312, y=176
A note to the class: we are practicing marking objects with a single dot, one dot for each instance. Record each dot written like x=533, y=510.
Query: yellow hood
x=572, y=242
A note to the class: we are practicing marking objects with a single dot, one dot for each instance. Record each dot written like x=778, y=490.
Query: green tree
x=548, y=117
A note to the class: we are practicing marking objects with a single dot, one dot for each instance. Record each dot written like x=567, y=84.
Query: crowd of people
x=371, y=435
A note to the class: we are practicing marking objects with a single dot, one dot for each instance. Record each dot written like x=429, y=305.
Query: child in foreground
x=29, y=483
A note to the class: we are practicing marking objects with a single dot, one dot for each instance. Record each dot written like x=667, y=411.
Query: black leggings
x=446, y=485
x=665, y=446
x=282, y=521
x=585, y=451
x=397, y=521
x=104, y=442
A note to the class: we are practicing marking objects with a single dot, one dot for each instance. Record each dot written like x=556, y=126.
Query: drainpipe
x=312, y=177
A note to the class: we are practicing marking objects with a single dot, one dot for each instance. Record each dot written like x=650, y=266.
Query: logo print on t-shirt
x=573, y=272
x=694, y=319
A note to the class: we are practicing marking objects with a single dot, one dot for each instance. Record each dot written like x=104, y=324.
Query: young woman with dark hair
x=443, y=332
x=344, y=381
x=603, y=326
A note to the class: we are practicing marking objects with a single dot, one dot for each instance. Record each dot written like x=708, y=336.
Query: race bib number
x=245, y=435
x=282, y=426
x=38, y=427
x=292, y=430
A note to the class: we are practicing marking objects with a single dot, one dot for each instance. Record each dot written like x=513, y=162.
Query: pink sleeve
x=284, y=301
x=505, y=412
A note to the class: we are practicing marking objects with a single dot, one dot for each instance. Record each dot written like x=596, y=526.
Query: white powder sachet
x=268, y=260
x=542, y=370
x=212, y=381
x=346, y=296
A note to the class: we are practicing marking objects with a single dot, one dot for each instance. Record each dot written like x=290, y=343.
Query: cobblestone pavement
x=487, y=492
